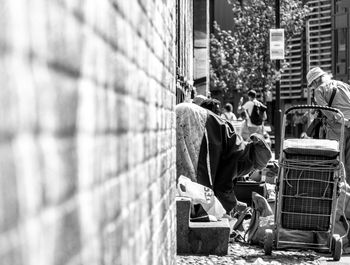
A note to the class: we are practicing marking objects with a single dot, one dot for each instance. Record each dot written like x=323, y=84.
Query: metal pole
x=278, y=112
x=308, y=100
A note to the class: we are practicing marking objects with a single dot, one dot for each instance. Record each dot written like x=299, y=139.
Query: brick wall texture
x=87, y=132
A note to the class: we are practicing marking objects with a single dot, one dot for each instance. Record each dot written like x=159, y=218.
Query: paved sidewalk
x=241, y=253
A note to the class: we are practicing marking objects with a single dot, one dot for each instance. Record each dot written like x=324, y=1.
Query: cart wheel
x=337, y=247
x=268, y=241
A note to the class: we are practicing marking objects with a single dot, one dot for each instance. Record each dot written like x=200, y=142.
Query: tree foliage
x=240, y=59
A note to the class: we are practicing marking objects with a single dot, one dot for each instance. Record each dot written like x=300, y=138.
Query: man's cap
x=313, y=74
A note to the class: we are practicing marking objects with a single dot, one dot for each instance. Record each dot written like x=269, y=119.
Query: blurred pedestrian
x=298, y=123
x=336, y=94
x=313, y=130
x=268, y=101
x=323, y=128
x=255, y=115
x=228, y=113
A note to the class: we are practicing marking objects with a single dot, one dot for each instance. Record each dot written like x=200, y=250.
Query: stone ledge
x=209, y=237
x=206, y=238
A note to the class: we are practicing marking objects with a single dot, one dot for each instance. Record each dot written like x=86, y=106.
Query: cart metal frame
x=333, y=242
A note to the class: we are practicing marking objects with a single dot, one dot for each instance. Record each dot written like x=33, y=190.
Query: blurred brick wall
x=87, y=132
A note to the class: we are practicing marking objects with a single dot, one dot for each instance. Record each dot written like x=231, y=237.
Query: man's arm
x=332, y=116
x=320, y=100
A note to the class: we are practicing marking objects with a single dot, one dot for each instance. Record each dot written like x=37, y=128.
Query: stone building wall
x=87, y=134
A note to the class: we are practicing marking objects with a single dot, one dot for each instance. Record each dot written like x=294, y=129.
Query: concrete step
x=209, y=237
x=205, y=238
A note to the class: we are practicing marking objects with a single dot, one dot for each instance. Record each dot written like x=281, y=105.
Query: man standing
x=324, y=86
x=255, y=115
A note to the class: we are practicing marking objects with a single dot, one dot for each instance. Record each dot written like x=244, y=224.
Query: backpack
x=257, y=115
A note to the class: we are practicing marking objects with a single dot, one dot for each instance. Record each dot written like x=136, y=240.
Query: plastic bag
x=200, y=195
x=261, y=220
x=264, y=222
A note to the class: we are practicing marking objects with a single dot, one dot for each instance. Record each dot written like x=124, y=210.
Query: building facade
x=193, y=33
x=292, y=76
x=341, y=40
x=320, y=35
x=201, y=42
x=184, y=50
x=312, y=48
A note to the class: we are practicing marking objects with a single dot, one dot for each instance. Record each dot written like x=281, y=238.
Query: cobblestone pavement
x=241, y=253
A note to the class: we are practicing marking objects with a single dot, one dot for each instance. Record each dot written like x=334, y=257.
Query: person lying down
x=209, y=152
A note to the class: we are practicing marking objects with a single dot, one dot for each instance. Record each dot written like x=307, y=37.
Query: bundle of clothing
x=211, y=153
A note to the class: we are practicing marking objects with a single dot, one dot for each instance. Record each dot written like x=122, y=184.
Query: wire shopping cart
x=307, y=192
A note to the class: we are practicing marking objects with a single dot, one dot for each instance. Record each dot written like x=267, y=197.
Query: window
x=341, y=36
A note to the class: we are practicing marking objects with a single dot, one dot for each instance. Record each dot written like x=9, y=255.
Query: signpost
x=277, y=53
x=276, y=44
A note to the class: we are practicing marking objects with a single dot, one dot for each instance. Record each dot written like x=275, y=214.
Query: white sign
x=276, y=44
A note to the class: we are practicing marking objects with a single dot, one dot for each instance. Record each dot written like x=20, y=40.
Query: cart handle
x=342, y=123
x=313, y=107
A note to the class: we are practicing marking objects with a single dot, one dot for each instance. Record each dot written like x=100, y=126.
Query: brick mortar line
x=37, y=135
